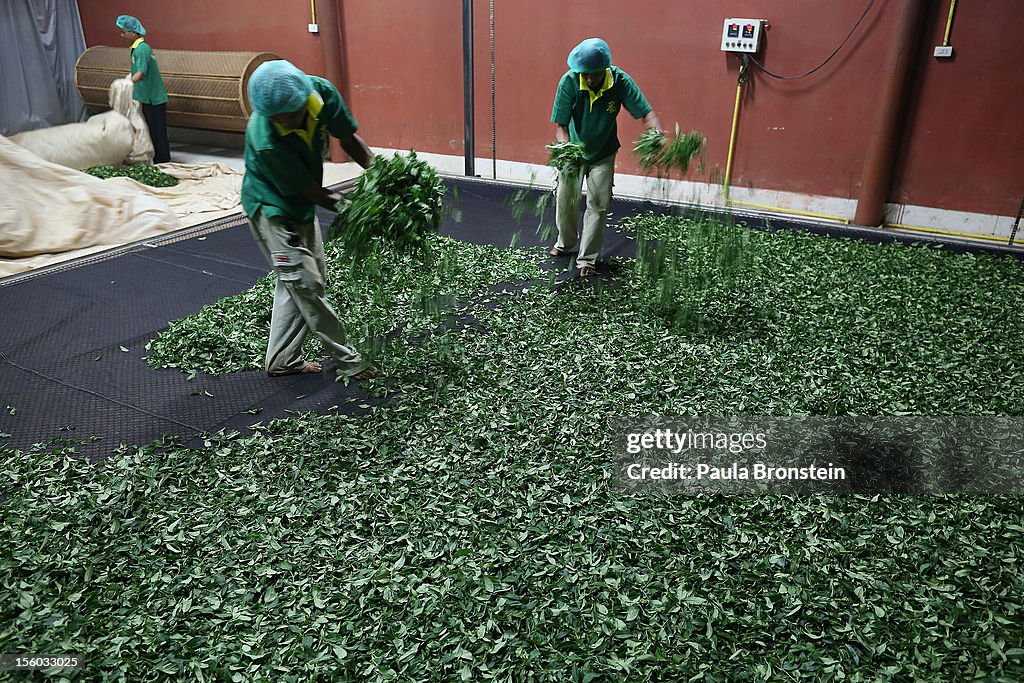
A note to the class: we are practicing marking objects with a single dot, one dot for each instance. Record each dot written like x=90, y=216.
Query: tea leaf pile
x=146, y=174
x=399, y=291
x=686, y=263
x=466, y=529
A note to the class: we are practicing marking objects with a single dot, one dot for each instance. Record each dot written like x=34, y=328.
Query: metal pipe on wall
x=467, y=86
x=330, y=51
x=949, y=23
x=885, y=137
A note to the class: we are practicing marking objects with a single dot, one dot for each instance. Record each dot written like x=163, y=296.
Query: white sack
x=103, y=140
x=46, y=208
x=119, y=96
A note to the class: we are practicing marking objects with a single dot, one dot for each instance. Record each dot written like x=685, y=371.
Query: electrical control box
x=742, y=35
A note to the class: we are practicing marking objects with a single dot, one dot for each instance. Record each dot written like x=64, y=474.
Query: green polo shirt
x=150, y=88
x=280, y=165
x=593, y=121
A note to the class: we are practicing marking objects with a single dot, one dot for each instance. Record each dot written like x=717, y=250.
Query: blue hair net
x=130, y=23
x=278, y=87
x=593, y=54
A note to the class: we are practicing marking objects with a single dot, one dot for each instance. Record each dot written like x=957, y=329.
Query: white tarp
x=48, y=209
x=49, y=213
x=104, y=140
x=113, y=138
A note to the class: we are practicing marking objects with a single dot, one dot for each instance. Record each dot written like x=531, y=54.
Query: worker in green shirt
x=587, y=102
x=285, y=143
x=148, y=87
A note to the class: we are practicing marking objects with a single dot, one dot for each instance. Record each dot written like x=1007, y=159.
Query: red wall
x=215, y=25
x=403, y=61
x=962, y=150
x=964, y=147
x=672, y=51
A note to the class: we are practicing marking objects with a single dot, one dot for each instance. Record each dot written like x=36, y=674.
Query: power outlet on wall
x=313, y=28
x=943, y=50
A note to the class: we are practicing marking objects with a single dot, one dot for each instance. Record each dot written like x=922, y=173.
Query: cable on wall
x=741, y=79
x=827, y=59
x=494, y=133
x=1016, y=223
x=468, y=95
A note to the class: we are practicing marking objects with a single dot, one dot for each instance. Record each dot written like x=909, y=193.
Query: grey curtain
x=40, y=41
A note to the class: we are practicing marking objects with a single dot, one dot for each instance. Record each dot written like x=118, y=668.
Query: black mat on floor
x=72, y=342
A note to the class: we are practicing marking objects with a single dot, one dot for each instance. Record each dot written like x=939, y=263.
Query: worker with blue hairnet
x=148, y=87
x=285, y=144
x=588, y=100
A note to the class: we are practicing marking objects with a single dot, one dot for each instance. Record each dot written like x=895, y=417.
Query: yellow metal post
x=949, y=23
x=732, y=141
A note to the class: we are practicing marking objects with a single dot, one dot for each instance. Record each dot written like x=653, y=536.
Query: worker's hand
x=321, y=196
x=651, y=121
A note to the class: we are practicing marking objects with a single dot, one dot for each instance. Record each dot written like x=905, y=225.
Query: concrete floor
x=192, y=153
x=190, y=146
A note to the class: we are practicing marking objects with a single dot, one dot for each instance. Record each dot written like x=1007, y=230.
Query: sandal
x=588, y=271
x=555, y=251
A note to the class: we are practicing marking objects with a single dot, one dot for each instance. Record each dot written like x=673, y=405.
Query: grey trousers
x=567, y=209
x=296, y=251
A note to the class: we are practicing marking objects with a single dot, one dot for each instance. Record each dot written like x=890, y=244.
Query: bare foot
x=368, y=373
x=311, y=366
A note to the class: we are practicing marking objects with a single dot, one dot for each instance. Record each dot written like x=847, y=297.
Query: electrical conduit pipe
x=330, y=52
x=732, y=149
x=885, y=137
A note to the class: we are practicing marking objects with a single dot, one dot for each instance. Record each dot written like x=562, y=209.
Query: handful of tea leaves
x=395, y=206
x=566, y=156
x=655, y=152
x=142, y=173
